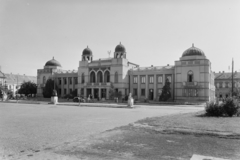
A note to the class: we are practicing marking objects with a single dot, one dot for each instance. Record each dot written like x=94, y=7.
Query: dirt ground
x=169, y=137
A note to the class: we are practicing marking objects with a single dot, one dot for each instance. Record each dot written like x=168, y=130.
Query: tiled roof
x=227, y=75
x=14, y=78
x=2, y=75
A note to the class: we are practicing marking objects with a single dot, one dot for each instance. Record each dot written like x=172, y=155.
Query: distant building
x=191, y=77
x=13, y=81
x=223, y=83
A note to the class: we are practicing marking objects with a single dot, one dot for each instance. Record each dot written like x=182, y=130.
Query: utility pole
x=17, y=88
x=232, y=76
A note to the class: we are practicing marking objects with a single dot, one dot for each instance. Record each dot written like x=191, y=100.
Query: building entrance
x=95, y=93
x=151, y=94
x=89, y=92
x=103, y=93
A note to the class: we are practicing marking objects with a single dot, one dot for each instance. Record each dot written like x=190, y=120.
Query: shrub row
x=229, y=107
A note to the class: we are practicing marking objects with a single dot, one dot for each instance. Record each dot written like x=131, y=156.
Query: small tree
x=111, y=92
x=28, y=88
x=166, y=91
x=48, y=89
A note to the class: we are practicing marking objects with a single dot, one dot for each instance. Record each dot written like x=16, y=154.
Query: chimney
x=223, y=72
x=151, y=65
x=167, y=64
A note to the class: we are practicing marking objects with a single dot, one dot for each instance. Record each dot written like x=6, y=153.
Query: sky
x=154, y=32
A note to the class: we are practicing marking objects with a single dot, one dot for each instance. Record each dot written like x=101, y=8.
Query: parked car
x=78, y=99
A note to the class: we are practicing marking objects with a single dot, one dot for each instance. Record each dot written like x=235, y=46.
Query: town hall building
x=191, y=78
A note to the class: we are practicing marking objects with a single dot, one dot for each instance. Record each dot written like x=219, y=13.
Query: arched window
x=107, y=76
x=83, y=80
x=92, y=77
x=44, y=79
x=116, y=77
x=99, y=77
x=190, y=76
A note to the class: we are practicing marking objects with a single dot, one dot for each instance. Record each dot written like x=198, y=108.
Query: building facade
x=223, y=83
x=13, y=82
x=191, y=78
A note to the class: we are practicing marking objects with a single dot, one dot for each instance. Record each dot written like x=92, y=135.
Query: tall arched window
x=44, y=79
x=92, y=77
x=107, y=76
x=116, y=77
x=99, y=77
x=83, y=81
x=190, y=76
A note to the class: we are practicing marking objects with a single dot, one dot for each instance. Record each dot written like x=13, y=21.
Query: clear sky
x=154, y=32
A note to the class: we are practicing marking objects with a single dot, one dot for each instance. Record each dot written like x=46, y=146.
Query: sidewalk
x=100, y=104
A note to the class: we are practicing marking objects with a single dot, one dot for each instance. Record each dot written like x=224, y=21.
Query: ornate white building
x=191, y=77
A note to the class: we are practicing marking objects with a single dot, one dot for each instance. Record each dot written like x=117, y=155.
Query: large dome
x=53, y=62
x=193, y=51
x=120, y=48
x=87, y=51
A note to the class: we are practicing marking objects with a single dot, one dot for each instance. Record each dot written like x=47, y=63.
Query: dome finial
x=120, y=42
x=193, y=45
x=87, y=46
x=53, y=57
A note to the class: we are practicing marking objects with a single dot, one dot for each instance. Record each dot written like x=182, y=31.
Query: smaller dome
x=193, y=51
x=87, y=51
x=120, y=48
x=53, y=62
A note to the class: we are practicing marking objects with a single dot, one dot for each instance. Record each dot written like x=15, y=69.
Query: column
x=73, y=84
x=163, y=79
x=155, y=86
x=138, y=87
x=107, y=94
x=85, y=92
x=92, y=93
x=67, y=85
x=62, y=87
x=99, y=93
x=146, y=85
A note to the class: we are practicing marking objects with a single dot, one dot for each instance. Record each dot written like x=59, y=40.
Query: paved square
x=25, y=127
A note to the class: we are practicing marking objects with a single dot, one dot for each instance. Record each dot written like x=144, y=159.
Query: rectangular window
x=135, y=79
x=70, y=80
x=159, y=91
x=151, y=79
x=82, y=92
x=60, y=91
x=160, y=79
x=65, y=80
x=59, y=81
x=70, y=91
x=75, y=80
x=142, y=92
x=169, y=78
x=65, y=91
x=143, y=79
x=135, y=91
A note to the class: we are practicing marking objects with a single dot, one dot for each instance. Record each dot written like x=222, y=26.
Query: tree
x=48, y=89
x=236, y=92
x=166, y=91
x=28, y=88
x=111, y=92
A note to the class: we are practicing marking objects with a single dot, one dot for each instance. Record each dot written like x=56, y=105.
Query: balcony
x=97, y=84
x=190, y=84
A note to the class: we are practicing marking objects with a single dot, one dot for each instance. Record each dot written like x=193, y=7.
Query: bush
x=230, y=107
x=214, y=109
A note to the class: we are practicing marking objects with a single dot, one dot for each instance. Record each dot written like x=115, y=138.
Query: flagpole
x=232, y=76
